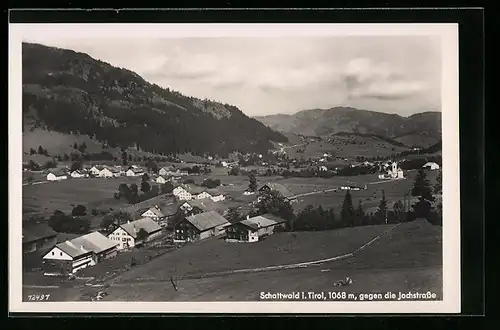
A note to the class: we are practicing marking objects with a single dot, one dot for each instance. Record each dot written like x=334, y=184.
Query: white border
x=451, y=185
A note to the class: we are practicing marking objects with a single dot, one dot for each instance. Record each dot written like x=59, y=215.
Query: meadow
x=408, y=259
x=349, y=146
x=216, y=255
x=44, y=199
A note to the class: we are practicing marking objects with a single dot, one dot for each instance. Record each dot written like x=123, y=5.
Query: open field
x=349, y=146
x=215, y=255
x=44, y=199
x=409, y=259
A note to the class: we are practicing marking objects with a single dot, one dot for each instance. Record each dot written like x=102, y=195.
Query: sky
x=263, y=76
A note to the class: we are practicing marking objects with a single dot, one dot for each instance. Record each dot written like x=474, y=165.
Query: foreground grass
x=408, y=259
x=216, y=255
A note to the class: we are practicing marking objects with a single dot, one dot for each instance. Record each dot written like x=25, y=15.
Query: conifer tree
x=347, y=211
x=360, y=214
x=382, y=210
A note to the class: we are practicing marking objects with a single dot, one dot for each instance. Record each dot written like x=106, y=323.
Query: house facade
x=182, y=194
x=153, y=213
x=108, y=172
x=78, y=174
x=95, y=170
x=56, y=176
x=200, y=226
x=128, y=235
x=161, y=180
x=253, y=229
x=216, y=195
x=134, y=171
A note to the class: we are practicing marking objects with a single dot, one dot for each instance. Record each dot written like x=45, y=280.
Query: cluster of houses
x=203, y=218
x=392, y=171
x=100, y=171
x=104, y=171
x=70, y=256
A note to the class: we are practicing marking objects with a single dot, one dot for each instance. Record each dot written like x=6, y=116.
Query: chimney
x=248, y=216
x=128, y=221
x=82, y=248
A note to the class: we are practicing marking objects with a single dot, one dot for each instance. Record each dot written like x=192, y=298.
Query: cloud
x=271, y=75
x=365, y=78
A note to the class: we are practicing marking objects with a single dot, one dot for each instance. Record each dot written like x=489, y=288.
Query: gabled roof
x=111, y=169
x=279, y=188
x=155, y=211
x=204, y=204
x=214, y=192
x=57, y=172
x=207, y=220
x=161, y=176
x=192, y=189
x=262, y=221
x=149, y=225
x=169, y=209
x=93, y=242
x=37, y=232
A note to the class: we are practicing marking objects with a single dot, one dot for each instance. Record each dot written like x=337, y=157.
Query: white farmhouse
x=70, y=256
x=128, y=235
x=78, y=174
x=153, y=213
x=56, y=176
x=431, y=166
x=215, y=195
x=161, y=180
x=95, y=170
x=106, y=173
x=186, y=192
x=134, y=172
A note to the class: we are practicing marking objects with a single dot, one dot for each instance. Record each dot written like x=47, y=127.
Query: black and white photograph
x=234, y=168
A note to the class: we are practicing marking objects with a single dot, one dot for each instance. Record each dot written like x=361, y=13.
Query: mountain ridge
x=321, y=122
x=72, y=93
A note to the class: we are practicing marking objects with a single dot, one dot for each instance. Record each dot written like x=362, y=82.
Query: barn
x=253, y=229
x=200, y=226
x=71, y=256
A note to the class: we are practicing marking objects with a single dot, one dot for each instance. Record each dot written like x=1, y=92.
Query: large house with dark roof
x=252, y=229
x=187, y=192
x=136, y=232
x=274, y=186
x=200, y=226
x=38, y=238
x=70, y=256
x=196, y=206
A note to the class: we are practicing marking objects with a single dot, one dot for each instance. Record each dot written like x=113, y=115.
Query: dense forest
x=72, y=93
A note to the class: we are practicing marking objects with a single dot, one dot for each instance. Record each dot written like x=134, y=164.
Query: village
x=183, y=211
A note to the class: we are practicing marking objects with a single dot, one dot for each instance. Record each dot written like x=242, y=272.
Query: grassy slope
x=216, y=255
x=59, y=144
x=347, y=146
x=63, y=195
x=417, y=140
x=409, y=259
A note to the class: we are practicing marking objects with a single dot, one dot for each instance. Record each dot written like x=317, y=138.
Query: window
x=52, y=252
x=60, y=254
